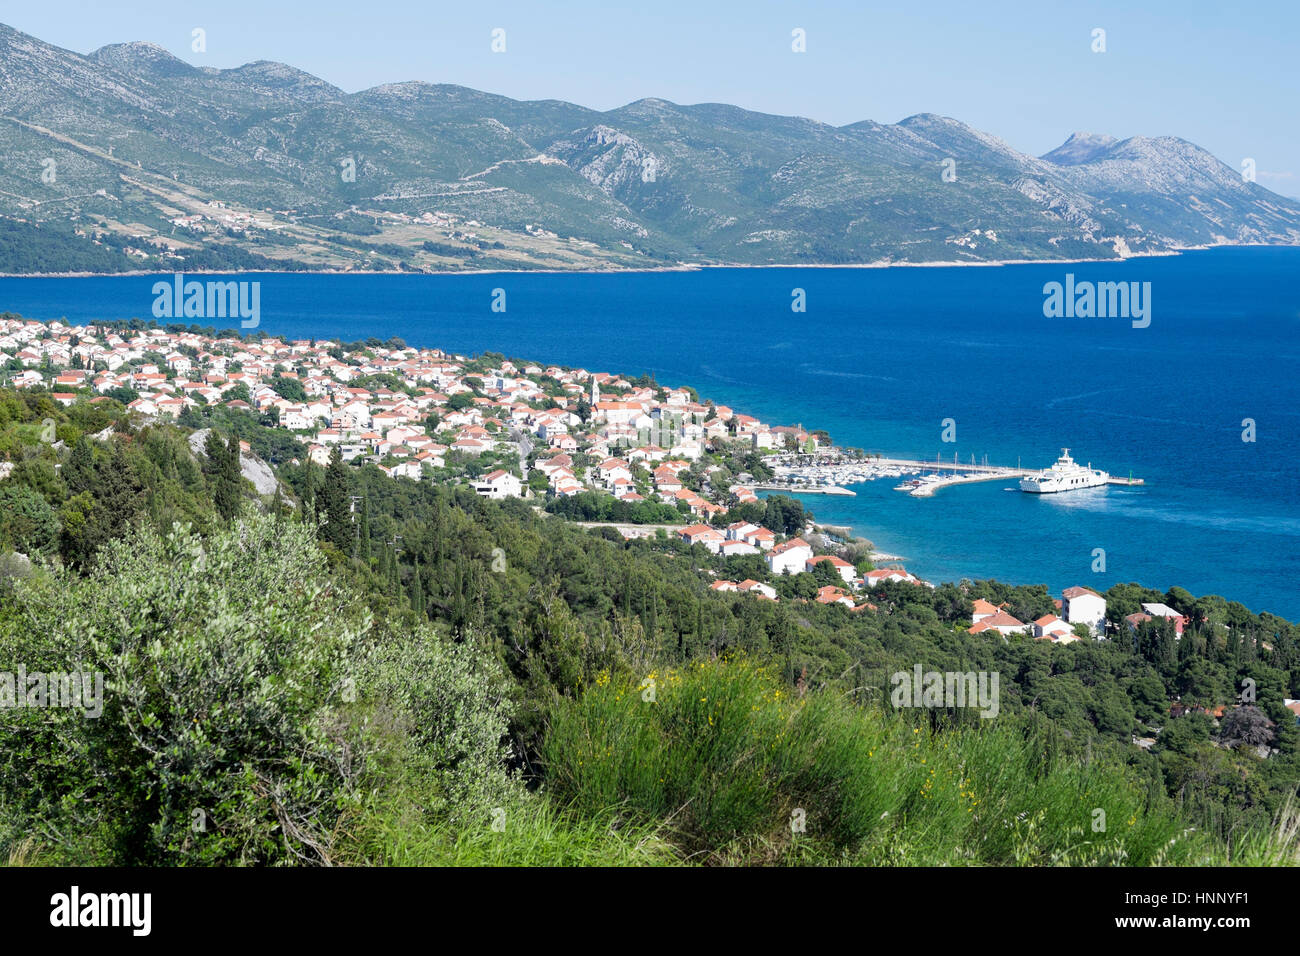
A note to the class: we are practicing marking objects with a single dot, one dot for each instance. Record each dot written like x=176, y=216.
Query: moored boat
x=1066, y=474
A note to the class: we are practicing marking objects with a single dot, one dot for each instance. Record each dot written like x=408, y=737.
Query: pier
x=930, y=487
x=936, y=474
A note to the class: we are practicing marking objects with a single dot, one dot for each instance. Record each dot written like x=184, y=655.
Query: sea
x=1201, y=398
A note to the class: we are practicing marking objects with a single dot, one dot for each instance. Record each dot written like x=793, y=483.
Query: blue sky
x=1224, y=76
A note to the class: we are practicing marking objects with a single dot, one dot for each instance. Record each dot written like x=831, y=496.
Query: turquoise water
x=882, y=356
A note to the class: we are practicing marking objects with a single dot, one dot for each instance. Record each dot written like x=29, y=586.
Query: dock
x=942, y=474
x=929, y=488
x=973, y=473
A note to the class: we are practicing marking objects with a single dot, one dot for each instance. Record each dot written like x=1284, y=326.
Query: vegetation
x=357, y=669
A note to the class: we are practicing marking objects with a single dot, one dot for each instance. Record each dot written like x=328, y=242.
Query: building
x=845, y=570
x=1049, y=627
x=703, y=534
x=789, y=558
x=881, y=575
x=1164, y=610
x=1003, y=623
x=757, y=587
x=1080, y=605
x=499, y=484
x=830, y=594
x=730, y=547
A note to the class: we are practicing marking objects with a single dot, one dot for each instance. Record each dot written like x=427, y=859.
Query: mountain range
x=130, y=158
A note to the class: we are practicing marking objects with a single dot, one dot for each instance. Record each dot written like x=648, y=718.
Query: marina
x=923, y=478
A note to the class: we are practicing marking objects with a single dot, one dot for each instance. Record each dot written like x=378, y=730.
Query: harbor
x=923, y=478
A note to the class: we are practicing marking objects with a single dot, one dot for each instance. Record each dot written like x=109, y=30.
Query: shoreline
x=680, y=267
x=738, y=405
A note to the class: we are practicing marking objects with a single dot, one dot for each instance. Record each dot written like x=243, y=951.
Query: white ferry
x=1066, y=475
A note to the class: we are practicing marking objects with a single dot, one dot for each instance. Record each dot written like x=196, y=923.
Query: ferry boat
x=1066, y=475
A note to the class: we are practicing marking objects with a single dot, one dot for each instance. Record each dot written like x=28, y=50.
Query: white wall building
x=1080, y=605
x=789, y=558
x=499, y=484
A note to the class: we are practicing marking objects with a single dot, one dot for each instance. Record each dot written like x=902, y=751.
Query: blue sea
x=881, y=357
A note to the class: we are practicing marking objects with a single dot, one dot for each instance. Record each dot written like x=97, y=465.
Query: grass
x=530, y=831
x=724, y=765
x=736, y=770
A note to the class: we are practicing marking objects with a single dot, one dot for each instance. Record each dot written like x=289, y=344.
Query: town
x=509, y=430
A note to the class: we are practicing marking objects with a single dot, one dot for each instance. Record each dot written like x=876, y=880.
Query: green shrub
x=220, y=739
x=740, y=771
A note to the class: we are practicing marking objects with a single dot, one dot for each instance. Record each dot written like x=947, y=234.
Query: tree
x=27, y=521
x=1155, y=641
x=79, y=472
x=289, y=388
x=227, y=479
x=118, y=498
x=200, y=717
x=337, y=504
x=785, y=515
x=310, y=490
x=1248, y=726
x=363, y=532
x=826, y=573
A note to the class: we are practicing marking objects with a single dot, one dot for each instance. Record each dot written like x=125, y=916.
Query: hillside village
x=508, y=429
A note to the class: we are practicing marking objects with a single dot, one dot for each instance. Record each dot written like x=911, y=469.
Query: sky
x=1223, y=76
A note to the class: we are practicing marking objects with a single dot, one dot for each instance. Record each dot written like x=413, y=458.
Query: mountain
x=1080, y=148
x=129, y=156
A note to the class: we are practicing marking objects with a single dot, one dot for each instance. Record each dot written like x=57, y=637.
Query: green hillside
x=132, y=143
x=437, y=678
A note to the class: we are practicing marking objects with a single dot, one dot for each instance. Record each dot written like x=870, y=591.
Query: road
x=525, y=445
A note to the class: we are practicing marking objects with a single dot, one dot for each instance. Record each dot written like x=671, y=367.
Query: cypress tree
x=338, y=517
x=364, y=530
x=226, y=480
x=309, y=489
x=79, y=473
x=417, y=589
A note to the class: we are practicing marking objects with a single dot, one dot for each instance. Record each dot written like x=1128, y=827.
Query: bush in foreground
x=739, y=770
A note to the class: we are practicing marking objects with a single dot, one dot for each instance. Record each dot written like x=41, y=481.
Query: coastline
x=769, y=405
x=680, y=267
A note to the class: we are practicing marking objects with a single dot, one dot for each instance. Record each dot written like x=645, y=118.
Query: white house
x=405, y=469
x=703, y=534
x=1080, y=605
x=499, y=484
x=737, y=530
x=1164, y=610
x=789, y=558
x=881, y=575
x=730, y=547
x=757, y=587
x=1052, y=628
x=1003, y=623
x=843, y=568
